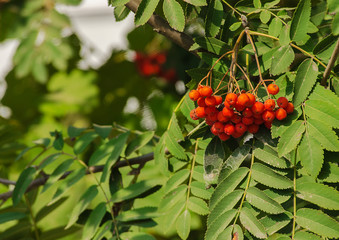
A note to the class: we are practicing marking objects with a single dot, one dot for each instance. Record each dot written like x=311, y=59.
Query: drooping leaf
x=268, y=177
x=174, y=14
x=214, y=18
x=213, y=159
x=304, y=80
x=198, y=206
x=93, y=221
x=260, y=200
x=82, y=204
x=183, y=224
x=318, y=222
x=25, y=179
x=227, y=185
x=220, y=224
x=268, y=155
x=282, y=59
x=251, y=223
x=137, y=143
x=145, y=11
x=300, y=21
x=290, y=138
x=319, y=194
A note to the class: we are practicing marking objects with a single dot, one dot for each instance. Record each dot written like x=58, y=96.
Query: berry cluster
x=238, y=113
x=153, y=65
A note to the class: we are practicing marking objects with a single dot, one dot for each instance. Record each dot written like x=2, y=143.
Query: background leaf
x=214, y=17
x=174, y=14
x=25, y=179
x=145, y=11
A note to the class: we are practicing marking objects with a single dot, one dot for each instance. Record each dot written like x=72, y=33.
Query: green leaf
x=212, y=45
x=10, y=216
x=325, y=44
x=213, y=159
x=251, y=223
x=304, y=81
x=268, y=177
x=311, y=154
x=74, y=132
x=326, y=95
x=290, y=138
x=282, y=59
x=199, y=189
x=47, y=210
x=183, y=224
x=300, y=20
x=274, y=28
x=279, y=196
x=170, y=199
x=271, y=4
x=211, y=59
x=257, y=3
x=268, y=155
x=186, y=107
x=228, y=185
x=102, y=152
x=322, y=111
x=172, y=214
x=115, y=3
x=274, y=223
x=197, y=2
x=214, y=18
x=225, y=204
x=82, y=204
x=93, y=221
x=319, y=194
x=284, y=38
x=260, y=200
x=48, y=160
x=279, y=127
x=329, y=173
x=305, y=235
x=102, y=130
x=137, y=143
x=145, y=11
x=160, y=159
x=58, y=142
x=25, y=179
x=335, y=24
x=134, y=190
x=318, y=222
x=235, y=26
x=213, y=230
x=81, y=144
x=332, y=6
x=174, y=14
x=174, y=128
x=120, y=13
x=197, y=205
x=197, y=74
x=138, y=214
x=57, y=173
x=265, y=16
x=178, y=178
x=174, y=147
x=39, y=70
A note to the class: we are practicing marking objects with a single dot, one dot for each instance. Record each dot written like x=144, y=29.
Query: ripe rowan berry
x=210, y=110
x=222, y=118
x=251, y=98
x=229, y=129
x=201, y=102
x=282, y=102
x=214, y=130
x=290, y=108
x=194, y=95
x=212, y=117
x=280, y=114
x=247, y=112
x=247, y=120
x=210, y=101
x=223, y=136
x=243, y=99
x=253, y=128
x=268, y=124
x=205, y=91
x=268, y=116
x=236, y=118
x=240, y=128
x=258, y=121
x=239, y=107
x=231, y=98
x=193, y=115
x=200, y=111
x=219, y=126
x=218, y=99
x=237, y=134
x=227, y=105
x=209, y=122
x=227, y=112
x=258, y=108
x=269, y=104
x=273, y=89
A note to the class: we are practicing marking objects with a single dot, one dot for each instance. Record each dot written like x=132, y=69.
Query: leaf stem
x=231, y=7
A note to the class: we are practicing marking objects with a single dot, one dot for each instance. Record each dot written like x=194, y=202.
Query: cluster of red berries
x=239, y=112
x=152, y=65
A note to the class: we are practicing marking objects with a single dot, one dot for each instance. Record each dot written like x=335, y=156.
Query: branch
x=161, y=26
x=41, y=181
x=330, y=64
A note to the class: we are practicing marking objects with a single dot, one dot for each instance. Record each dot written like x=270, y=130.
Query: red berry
x=268, y=124
x=210, y=101
x=209, y=123
x=258, y=121
x=222, y=118
x=200, y=111
x=214, y=130
x=193, y=115
x=227, y=112
x=219, y=126
x=205, y=91
x=253, y=128
x=282, y=102
x=223, y=136
x=280, y=114
x=239, y=107
x=231, y=98
x=243, y=99
x=290, y=108
x=258, y=108
x=237, y=134
x=240, y=128
x=247, y=112
x=251, y=98
x=269, y=104
x=194, y=95
x=229, y=129
x=210, y=110
x=236, y=118
x=218, y=100
x=268, y=116
x=273, y=89
x=247, y=121
x=212, y=117
x=201, y=102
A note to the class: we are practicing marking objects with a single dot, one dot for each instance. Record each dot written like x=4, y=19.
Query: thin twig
x=330, y=64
